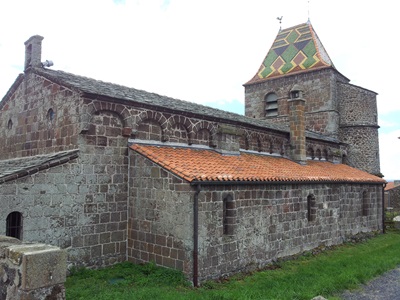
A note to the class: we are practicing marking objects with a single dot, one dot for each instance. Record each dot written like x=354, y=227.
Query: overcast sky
x=204, y=50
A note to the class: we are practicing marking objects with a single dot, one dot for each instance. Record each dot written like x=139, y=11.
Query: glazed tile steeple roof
x=294, y=50
x=207, y=165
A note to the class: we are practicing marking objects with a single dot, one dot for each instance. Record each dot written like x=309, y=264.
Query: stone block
x=41, y=265
x=5, y=242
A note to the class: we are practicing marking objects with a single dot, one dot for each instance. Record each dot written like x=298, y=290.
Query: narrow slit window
x=50, y=115
x=311, y=208
x=229, y=215
x=365, y=204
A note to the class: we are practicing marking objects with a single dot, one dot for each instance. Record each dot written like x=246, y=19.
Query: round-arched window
x=50, y=115
x=14, y=225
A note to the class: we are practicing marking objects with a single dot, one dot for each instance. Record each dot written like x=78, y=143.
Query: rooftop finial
x=308, y=11
x=280, y=22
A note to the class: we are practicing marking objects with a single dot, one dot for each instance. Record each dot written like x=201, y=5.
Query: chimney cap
x=36, y=37
x=296, y=93
x=296, y=88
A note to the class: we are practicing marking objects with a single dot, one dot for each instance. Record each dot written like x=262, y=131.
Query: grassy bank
x=325, y=274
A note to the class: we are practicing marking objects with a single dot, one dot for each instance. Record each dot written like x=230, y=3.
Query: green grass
x=326, y=274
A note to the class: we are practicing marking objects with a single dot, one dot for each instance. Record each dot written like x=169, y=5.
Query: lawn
x=327, y=274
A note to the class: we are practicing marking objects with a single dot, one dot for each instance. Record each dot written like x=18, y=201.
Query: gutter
x=196, y=236
x=383, y=208
x=249, y=182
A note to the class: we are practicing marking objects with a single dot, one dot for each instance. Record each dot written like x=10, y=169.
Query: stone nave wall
x=272, y=221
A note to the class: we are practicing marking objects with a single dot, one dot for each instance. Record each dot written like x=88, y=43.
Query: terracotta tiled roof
x=294, y=50
x=391, y=185
x=208, y=165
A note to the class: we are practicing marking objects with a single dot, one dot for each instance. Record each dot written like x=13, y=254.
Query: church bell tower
x=334, y=107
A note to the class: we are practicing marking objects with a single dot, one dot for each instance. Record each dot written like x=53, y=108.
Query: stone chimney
x=297, y=124
x=33, y=52
x=227, y=139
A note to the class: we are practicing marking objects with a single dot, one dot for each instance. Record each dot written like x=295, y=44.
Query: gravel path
x=385, y=287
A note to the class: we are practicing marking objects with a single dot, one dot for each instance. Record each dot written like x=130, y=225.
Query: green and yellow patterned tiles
x=294, y=49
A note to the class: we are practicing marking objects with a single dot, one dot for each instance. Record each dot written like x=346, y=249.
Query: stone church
x=112, y=173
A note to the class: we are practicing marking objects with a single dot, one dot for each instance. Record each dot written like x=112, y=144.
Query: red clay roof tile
x=390, y=185
x=208, y=165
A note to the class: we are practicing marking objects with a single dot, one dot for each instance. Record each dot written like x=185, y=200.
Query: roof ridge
x=320, y=47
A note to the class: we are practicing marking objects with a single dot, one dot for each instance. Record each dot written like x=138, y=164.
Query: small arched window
x=14, y=225
x=50, y=115
x=325, y=154
x=229, y=215
x=271, y=147
x=10, y=124
x=311, y=208
x=318, y=154
x=246, y=143
x=259, y=145
x=271, y=105
x=345, y=159
x=310, y=153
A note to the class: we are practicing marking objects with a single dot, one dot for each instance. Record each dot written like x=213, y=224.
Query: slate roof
x=206, y=165
x=91, y=86
x=295, y=49
x=19, y=167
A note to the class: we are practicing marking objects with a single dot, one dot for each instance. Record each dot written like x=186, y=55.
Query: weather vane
x=280, y=22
